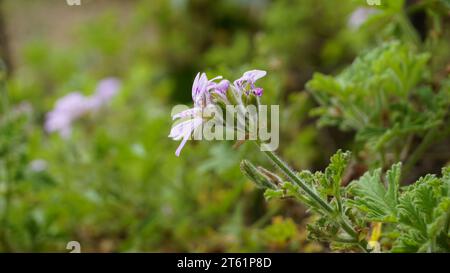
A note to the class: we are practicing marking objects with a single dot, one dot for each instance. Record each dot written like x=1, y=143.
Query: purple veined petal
x=204, y=86
x=212, y=85
x=180, y=129
x=187, y=113
x=183, y=142
x=222, y=87
x=195, y=123
x=254, y=75
x=199, y=86
x=187, y=126
x=195, y=86
x=248, y=79
x=258, y=91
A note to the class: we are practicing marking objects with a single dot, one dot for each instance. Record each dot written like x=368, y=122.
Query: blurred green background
x=115, y=184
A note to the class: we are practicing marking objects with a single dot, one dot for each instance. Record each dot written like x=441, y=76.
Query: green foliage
x=370, y=95
x=115, y=184
x=384, y=98
x=424, y=216
x=418, y=214
x=322, y=193
x=371, y=196
x=280, y=231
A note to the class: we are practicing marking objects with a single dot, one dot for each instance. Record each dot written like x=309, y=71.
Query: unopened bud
x=275, y=179
x=258, y=177
x=233, y=96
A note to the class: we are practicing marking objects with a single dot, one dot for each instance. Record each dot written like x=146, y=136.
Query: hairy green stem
x=345, y=225
x=292, y=176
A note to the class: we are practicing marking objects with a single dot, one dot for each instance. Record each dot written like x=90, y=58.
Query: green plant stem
x=292, y=176
x=311, y=194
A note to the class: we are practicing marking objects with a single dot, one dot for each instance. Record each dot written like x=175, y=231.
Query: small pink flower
x=202, y=98
x=360, y=16
x=105, y=91
x=74, y=105
x=67, y=109
x=202, y=88
x=247, y=82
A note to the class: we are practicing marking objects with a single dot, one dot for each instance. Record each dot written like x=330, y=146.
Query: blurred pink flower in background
x=105, y=91
x=360, y=16
x=38, y=165
x=74, y=105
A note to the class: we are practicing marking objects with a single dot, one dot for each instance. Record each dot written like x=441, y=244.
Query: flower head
x=201, y=88
x=201, y=97
x=209, y=93
x=247, y=82
x=222, y=87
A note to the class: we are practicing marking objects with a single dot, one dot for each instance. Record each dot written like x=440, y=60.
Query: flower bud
x=254, y=174
x=233, y=95
x=272, y=176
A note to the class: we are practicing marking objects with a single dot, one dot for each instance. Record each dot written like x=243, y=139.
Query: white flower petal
x=187, y=113
x=254, y=75
x=183, y=131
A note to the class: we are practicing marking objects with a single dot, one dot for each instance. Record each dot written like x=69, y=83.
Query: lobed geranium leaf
x=379, y=203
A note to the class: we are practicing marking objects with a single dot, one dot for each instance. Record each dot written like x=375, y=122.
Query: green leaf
x=418, y=202
x=335, y=171
x=379, y=203
x=384, y=97
x=270, y=194
x=424, y=215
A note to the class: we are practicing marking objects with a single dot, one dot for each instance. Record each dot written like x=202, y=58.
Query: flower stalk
x=344, y=224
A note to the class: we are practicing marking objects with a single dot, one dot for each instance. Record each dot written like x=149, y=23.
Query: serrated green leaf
x=270, y=194
x=379, y=203
x=335, y=171
x=424, y=215
x=418, y=202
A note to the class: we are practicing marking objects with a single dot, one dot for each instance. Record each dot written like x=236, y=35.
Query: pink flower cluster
x=75, y=105
x=202, y=89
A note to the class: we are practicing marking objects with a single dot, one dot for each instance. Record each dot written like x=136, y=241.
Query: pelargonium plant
x=207, y=94
x=370, y=214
